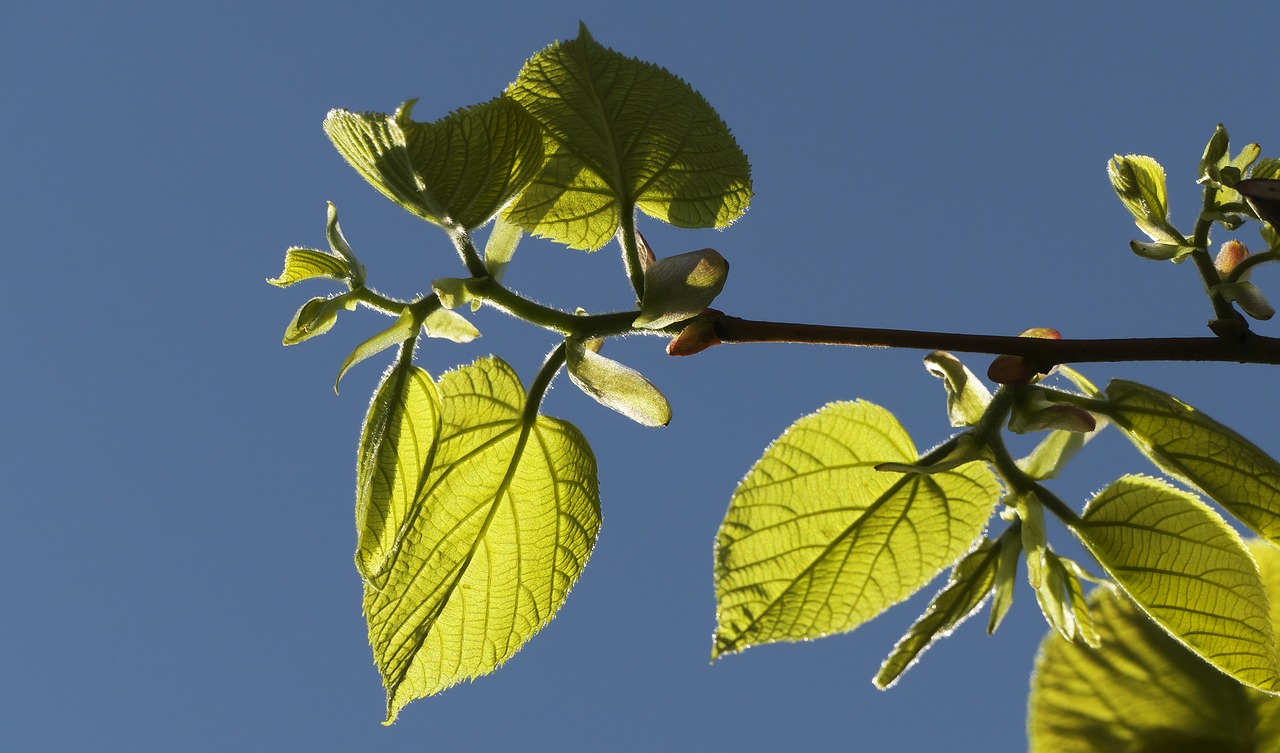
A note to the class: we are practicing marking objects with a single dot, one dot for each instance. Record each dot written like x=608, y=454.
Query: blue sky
x=178, y=532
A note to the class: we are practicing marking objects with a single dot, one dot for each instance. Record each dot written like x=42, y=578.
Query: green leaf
x=458, y=291
x=404, y=327
x=1143, y=691
x=1191, y=446
x=316, y=317
x=501, y=528
x=307, y=264
x=616, y=386
x=1006, y=576
x=1053, y=453
x=460, y=169
x=475, y=160
x=623, y=134
x=397, y=442
x=816, y=541
x=1140, y=183
x=500, y=247
x=681, y=287
x=967, y=397
x=450, y=325
x=1062, y=600
x=970, y=583
x=1187, y=569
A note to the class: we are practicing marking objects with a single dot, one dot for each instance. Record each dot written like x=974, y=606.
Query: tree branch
x=1041, y=354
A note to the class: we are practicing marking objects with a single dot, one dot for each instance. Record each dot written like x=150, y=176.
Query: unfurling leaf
x=1247, y=296
x=1174, y=252
x=967, y=397
x=500, y=528
x=1062, y=600
x=1144, y=691
x=816, y=541
x=622, y=134
x=615, y=386
x=681, y=287
x=1140, y=183
x=316, y=317
x=459, y=291
x=1187, y=569
x=1006, y=577
x=971, y=582
x=1189, y=445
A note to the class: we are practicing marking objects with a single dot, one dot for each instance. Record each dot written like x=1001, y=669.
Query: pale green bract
x=1143, y=691
x=817, y=541
x=622, y=134
x=1189, y=445
x=499, y=530
x=616, y=386
x=1189, y=570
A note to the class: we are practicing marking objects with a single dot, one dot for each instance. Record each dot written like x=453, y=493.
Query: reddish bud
x=1231, y=254
x=695, y=338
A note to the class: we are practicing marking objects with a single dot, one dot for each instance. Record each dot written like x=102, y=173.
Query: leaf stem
x=1204, y=263
x=538, y=389
x=1025, y=484
x=631, y=251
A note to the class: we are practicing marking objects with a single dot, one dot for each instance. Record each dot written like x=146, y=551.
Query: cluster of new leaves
x=475, y=513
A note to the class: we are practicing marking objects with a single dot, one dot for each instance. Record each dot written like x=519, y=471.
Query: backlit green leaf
x=1143, y=691
x=970, y=583
x=623, y=134
x=1189, y=445
x=460, y=169
x=307, y=264
x=616, y=386
x=316, y=317
x=1140, y=183
x=1188, y=570
x=499, y=531
x=396, y=446
x=1006, y=576
x=816, y=541
x=450, y=325
x=474, y=160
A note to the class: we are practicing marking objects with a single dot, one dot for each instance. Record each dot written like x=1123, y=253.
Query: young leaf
x=403, y=328
x=308, y=264
x=1144, y=691
x=475, y=160
x=623, y=134
x=1053, y=453
x=816, y=541
x=1187, y=569
x=397, y=442
x=1140, y=183
x=616, y=386
x=970, y=584
x=967, y=397
x=498, y=533
x=681, y=287
x=1062, y=600
x=461, y=169
x=1189, y=445
x=316, y=317
x=338, y=244
x=1035, y=540
x=1006, y=576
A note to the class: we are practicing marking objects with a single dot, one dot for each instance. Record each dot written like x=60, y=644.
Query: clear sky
x=178, y=486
